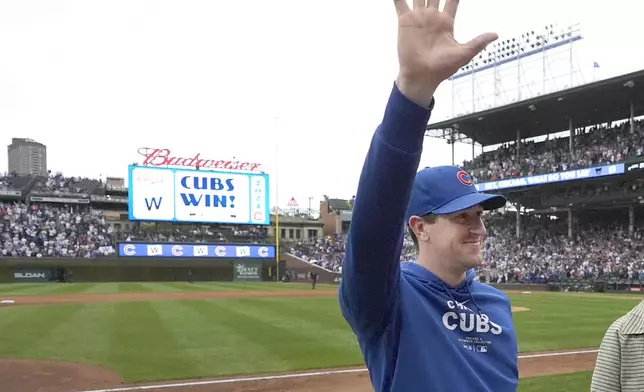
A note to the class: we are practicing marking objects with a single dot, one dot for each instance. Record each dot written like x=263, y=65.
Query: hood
x=427, y=277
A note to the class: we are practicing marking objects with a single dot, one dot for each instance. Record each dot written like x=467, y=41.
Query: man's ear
x=419, y=227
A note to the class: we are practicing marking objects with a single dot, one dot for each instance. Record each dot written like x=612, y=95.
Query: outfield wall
x=615, y=286
x=114, y=269
x=607, y=285
x=521, y=287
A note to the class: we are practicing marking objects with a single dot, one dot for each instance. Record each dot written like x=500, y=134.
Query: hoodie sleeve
x=371, y=268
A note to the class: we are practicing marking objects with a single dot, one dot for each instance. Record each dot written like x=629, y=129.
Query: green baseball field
x=248, y=337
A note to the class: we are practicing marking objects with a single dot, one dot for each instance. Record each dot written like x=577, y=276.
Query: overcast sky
x=96, y=80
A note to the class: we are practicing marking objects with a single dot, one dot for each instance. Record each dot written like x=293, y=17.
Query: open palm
x=427, y=50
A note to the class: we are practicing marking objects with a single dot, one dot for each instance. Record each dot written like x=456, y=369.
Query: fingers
x=418, y=4
x=433, y=3
x=401, y=6
x=450, y=7
x=477, y=44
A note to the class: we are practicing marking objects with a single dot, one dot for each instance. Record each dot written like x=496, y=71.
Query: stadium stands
x=601, y=248
x=64, y=223
x=43, y=230
x=328, y=252
x=60, y=185
x=10, y=182
x=543, y=253
x=598, y=145
x=567, y=227
x=572, y=229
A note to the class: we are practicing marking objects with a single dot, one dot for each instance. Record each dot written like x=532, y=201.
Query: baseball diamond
x=247, y=336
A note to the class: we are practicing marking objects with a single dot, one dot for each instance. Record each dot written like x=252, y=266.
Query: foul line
x=556, y=354
x=295, y=375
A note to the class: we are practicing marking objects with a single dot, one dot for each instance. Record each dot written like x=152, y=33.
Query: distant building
x=27, y=157
x=336, y=215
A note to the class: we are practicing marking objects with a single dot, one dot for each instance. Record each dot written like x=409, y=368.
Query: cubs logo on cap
x=464, y=178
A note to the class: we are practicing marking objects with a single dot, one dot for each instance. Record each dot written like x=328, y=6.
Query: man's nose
x=479, y=230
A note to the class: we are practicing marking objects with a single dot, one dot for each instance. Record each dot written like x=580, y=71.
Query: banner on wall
x=247, y=271
x=550, y=178
x=31, y=275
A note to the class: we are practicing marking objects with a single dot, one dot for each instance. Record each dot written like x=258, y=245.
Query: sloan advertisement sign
x=31, y=275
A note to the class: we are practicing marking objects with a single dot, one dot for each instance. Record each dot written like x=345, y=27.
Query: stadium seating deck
x=602, y=245
x=14, y=182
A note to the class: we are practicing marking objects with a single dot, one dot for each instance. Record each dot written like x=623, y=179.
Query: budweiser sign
x=164, y=157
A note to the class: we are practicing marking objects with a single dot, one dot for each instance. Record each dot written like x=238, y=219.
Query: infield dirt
x=52, y=376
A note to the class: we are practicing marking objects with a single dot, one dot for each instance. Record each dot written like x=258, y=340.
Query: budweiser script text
x=163, y=157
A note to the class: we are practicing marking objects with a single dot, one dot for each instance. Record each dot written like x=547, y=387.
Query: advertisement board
x=31, y=275
x=127, y=249
x=165, y=157
x=183, y=195
x=549, y=178
x=245, y=271
x=635, y=165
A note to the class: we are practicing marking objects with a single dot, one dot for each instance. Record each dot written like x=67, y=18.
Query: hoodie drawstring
x=473, y=300
x=478, y=309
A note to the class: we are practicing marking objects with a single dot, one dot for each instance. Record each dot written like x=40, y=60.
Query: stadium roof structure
x=589, y=104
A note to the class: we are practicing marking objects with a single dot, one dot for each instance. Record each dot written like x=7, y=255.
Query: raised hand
x=428, y=53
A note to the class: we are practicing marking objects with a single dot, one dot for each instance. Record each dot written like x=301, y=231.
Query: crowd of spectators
x=328, y=251
x=54, y=230
x=60, y=185
x=44, y=230
x=596, y=146
x=79, y=231
x=177, y=233
x=543, y=253
x=5, y=183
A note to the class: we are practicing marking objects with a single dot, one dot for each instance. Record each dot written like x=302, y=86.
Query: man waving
x=424, y=326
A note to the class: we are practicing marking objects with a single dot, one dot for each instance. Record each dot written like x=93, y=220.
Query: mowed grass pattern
x=19, y=289
x=576, y=382
x=558, y=321
x=167, y=340
x=162, y=340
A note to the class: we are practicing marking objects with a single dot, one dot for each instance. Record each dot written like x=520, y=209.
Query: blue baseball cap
x=445, y=190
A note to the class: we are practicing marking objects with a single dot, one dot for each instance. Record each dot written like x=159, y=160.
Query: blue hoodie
x=416, y=332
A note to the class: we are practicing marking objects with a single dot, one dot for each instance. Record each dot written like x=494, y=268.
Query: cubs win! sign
x=182, y=195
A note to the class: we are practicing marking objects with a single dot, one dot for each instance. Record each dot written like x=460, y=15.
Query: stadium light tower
x=517, y=68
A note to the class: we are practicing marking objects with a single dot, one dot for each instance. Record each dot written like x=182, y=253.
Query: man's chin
x=472, y=262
